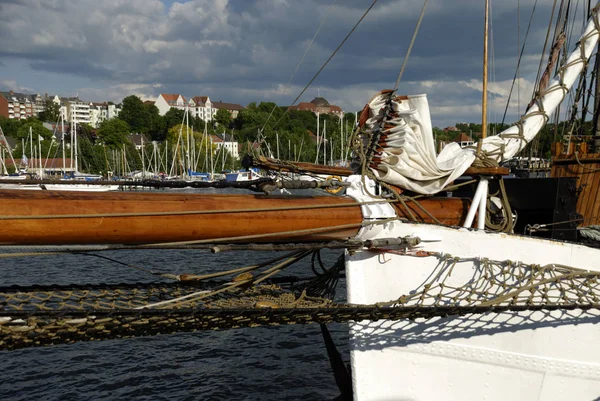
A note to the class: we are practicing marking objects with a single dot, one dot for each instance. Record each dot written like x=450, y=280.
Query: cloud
x=246, y=51
x=116, y=93
x=11, y=85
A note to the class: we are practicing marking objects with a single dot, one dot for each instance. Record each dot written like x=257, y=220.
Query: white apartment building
x=100, y=112
x=165, y=101
x=74, y=110
x=201, y=106
x=228, y=142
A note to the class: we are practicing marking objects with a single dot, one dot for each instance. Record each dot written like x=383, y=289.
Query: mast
x=31, y=157
x=596, y=121
x=75, y=143
x=317, y=158
x=62, y=132
x=40, y=154
x=485, y=79
x=143, y=161
x=9, y=151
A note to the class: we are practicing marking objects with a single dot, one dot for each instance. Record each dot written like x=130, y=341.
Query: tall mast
x=62, y=140
x=596, y=121
x=485, y=78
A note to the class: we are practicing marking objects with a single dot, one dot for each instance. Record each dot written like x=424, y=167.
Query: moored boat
x=487, y=315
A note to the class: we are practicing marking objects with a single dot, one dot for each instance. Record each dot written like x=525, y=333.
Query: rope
x=326, y=62
x=282, y=233
x=590, y=232
x=301, y=59
x=507, y=223
x=410, y=46
x=590, y=169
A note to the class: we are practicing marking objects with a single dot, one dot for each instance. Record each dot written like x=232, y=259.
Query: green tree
x=114, y=133
x=87, y=131
x=174, y=117
x=157, y=126
x=51, y=112
x=36, y=127
x=223, y=118
x=9, y=126
x=135, y=113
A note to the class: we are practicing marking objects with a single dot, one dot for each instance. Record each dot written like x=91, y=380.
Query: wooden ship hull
x=579, y=162
x=71, y=218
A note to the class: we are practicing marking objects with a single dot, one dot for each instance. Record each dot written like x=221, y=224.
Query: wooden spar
x=485, y=79
x=69, y=218
x=277, y=165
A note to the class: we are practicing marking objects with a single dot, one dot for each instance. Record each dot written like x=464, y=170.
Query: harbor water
x=266, y=363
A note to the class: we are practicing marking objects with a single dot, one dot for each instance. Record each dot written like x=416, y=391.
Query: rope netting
x=44, y=315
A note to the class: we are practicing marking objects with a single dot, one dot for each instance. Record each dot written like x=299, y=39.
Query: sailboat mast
x=317, y=159
x=75, y=143
x=62, y=140
x=31, y=157
x=143, y=161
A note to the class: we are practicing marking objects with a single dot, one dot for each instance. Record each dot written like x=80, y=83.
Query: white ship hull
x=532, y=355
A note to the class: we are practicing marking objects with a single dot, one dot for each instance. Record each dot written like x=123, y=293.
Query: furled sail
x=399, y=140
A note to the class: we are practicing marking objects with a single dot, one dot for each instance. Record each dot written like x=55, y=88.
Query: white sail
x=408, y=157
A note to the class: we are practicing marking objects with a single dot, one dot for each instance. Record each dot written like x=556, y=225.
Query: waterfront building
x=16, y=105
x=165, y=101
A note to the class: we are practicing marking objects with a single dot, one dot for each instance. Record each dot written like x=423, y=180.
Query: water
x=270, y=363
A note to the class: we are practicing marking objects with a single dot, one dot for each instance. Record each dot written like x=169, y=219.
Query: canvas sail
x=407, y=156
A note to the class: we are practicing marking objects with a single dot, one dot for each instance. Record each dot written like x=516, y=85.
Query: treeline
x=265, y=127
x=541, y=146
x=272, y=129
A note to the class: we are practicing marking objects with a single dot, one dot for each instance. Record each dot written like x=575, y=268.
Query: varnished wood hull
x=577, y=162
x=70, y=218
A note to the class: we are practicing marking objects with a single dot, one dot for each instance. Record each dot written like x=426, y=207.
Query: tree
x=223, y=118
x=10, y=126
x=51, y=112
x=114, y=133
x=174, y=117
x=135, y=114
x=37, y=130
x=157, y=128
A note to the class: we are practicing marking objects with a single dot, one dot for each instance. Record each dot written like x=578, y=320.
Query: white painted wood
x=507, y=356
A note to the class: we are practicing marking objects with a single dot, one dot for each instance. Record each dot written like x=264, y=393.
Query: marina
x=401, y=269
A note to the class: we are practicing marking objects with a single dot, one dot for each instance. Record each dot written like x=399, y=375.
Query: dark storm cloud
x=241, y=51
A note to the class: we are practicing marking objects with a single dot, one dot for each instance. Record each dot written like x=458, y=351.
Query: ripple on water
x=270, y=363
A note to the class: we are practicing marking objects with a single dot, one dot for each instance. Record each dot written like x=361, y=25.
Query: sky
x=242, y=51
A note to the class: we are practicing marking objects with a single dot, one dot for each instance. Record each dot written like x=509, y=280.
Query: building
x=464, y=140
x=228, y=142
x=165, y=101
x=202, y=107
x=16, y=105
x=75, y=110
x=39, y=103
x=232, y=108
x=100, y=112
x=319, y=105
x=139, y=140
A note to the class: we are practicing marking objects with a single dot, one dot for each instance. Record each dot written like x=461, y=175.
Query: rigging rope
x=326, y=62
x=519, y=64
x=302, y=58
x=410, y=46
